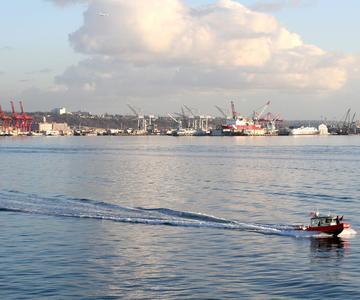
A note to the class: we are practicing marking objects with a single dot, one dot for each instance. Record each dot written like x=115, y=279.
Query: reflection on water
x=329, y=247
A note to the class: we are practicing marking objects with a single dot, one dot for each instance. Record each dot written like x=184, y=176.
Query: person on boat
x=337, y=220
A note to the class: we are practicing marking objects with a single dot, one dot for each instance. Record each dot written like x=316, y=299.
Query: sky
x=100, y=55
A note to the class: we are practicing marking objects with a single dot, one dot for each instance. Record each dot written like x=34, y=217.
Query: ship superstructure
x=304, y=131
x=241, y=125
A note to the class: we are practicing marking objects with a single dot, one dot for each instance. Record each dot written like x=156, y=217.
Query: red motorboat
x=332, y=225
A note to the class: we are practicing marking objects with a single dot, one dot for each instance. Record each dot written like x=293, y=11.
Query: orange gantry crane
x=17, y=120
x=27, y=121
x=20, y=122
x=6, y=120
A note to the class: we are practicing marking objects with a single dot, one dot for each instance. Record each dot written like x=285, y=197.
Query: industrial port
x=186, y=122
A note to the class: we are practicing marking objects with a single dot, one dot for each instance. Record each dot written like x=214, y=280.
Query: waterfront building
x=59, y=111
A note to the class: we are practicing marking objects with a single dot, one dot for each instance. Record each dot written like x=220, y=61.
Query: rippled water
x=165, y=217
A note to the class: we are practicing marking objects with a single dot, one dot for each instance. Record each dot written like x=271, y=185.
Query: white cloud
x=142, y=31
x=276, y=5
x=152, y=47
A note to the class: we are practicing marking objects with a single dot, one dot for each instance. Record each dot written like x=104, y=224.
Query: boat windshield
x=323, y=221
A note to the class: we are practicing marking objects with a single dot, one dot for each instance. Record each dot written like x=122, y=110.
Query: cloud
x=277, y=5
x=166, y=31
x=162, y=47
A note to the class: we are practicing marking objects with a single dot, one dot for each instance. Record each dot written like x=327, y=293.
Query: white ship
x=304, y=131
x=186, y=132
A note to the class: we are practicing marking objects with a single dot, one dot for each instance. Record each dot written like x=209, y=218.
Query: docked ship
x=184, y=132
x=239, y=125
x=242, y=126
x=304, y=131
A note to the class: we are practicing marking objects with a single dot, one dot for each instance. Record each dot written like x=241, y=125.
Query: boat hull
x=333, y=230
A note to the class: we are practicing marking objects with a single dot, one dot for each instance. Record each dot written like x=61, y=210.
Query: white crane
x=140, y=117
x=203, y=121
x=222, y=112
x=175, y=120
x=257, y=115
x=191, y=116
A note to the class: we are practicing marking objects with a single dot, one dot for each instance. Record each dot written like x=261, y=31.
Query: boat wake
x=347, y=233
x=63, y=206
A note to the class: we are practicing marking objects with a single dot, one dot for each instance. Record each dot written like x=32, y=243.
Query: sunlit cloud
x=277, y=5
x=164, y=46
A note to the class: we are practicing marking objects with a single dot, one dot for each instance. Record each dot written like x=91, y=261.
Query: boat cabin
x=324, y=221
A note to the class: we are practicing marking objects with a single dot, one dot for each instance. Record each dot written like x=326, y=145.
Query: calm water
x=170, y=218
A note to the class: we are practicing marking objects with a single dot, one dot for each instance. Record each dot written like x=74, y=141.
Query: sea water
x=177, y=217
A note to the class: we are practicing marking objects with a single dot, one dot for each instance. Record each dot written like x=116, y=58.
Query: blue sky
x=331, y=24
x=322, y=21
x=35, y=48
x=34, y=37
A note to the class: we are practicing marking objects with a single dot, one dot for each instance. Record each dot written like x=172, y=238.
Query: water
x=165, y=217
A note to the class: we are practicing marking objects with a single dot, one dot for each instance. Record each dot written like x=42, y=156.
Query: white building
x=59, y=111
x=54, y=128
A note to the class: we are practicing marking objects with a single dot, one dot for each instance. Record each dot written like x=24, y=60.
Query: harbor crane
x=202, y=122
x=176, y=121
x=350, y=127
x=184, y=117
x=27, y=121
x=347, y=116
x=189, y=110
x=270, y=122
x=6, y=120
x=145, y=123
x=345, y=123
x=140, y=117
x=233, y=111
x=272, y=118
x=260, y=111
x=353, y=123
x=192, y=116
x=222, y=112
x=17, y=120
x=151, y=118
